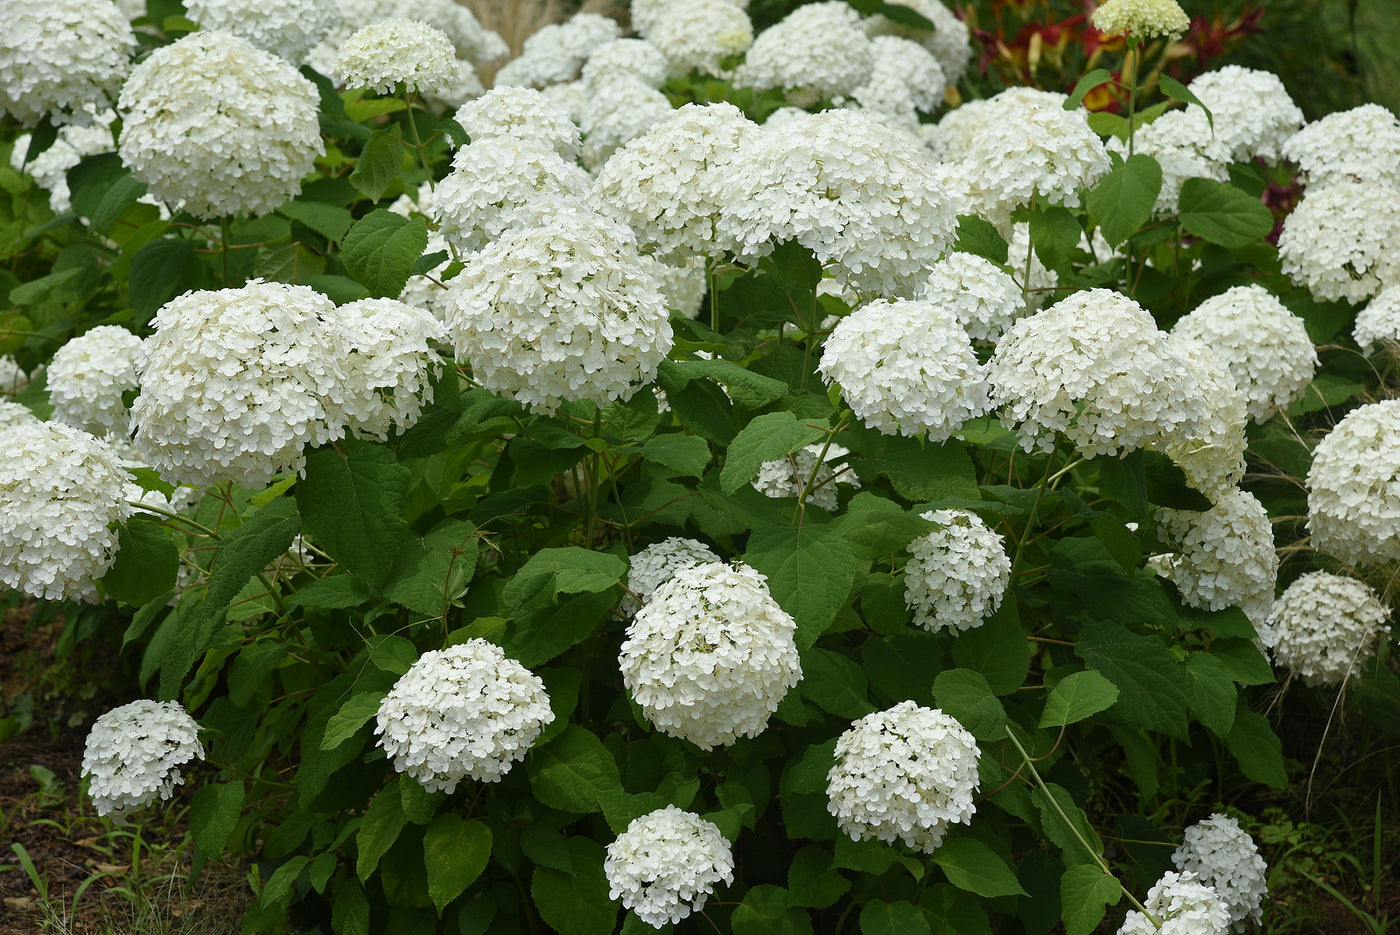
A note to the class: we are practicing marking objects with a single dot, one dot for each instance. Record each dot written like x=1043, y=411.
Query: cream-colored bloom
x=1142, y=18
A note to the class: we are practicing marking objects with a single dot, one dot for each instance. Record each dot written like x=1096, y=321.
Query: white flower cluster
x=1265, y=346
x=1379, y=322
x=1207, y=437
x=555, y=53
x=13, y=377
x=501, y=183
x=633, y=59
x=470, y=40
x=697, y=35
x=1326, y=626
x=1225, y=858
x=862, y=197
x=1178, y=140
x=1251, y=111
x=88, y=376
x=383, y=54
x=669, y=183
x=218, y=127
x=619, y=110
x=950, y=41
x=561, y=311
x=957, y=574
x=710, y=655
x=666, y=864
x=906, y=367
x=388, y=362
x=65, y=58
x=13, y=414
x=73, y=144
x=1224, y=556
x=1184, y=906
x=985, y=299
x=683, y=285
x=288, y=29
x=522, y=114
x=464, y=712
x=1361, y=145
x=905, y=773
x=1339, y=242
x=1354, y=486
x=785, y=55
x=905, y=81
x=658, y=563
x=787, y=477
x=61, y=491
x=1141, y=18
x=134, y=753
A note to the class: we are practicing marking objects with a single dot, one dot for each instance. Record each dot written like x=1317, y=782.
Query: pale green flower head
x=1142, y=18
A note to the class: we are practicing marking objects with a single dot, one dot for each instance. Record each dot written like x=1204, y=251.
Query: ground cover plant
x=728, y=476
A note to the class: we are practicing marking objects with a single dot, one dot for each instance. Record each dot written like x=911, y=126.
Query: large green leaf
x=835, y=682
x=998, y=649
x=1151, y=685
x=973, y=866
x=980, y=237
x=557, y=599
x=346, y=722
x=812, y=882
x=1222, y=214
x=432, y=571
x=810, y=572
x=768, y=437
x=161, y=270
x=966, y=696
x=1211, y=691
x=1085, y=893
x=379, y=164
x=353, y=506
x=572, y=770
x=381, y=248
x=1054, y=809
x=896, y=918
x=1077, y=696
x=146, y=564
x=576, y=903
x=379, y=829
x=214, y=813
x=455, y=852
x=748, y=389
x=923, y=471
x=1259, y=751
x=1121, y=202
x=765, y=911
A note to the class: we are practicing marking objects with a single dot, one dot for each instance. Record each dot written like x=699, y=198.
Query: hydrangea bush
x=707, y=480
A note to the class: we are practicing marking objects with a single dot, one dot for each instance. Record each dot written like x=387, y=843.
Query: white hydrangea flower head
x=288, y=29
x=1034, y=148
x=1265, y=345
x=906, y=79
x=906, y=367
x=464, y=87
x=134, y=753
x=561, y=311
x=13, y=414
x=464, y=712
x=1092, y=366
x=1183, y=904
x=493, y=185
x=955, y=133
x=1040, y=285
x=1141, y=18
x=669, y=183
x=1361, y=144
x=784, y=56
x=950, y=41
x=1224, y=556
x=710, y=655
x=389, y=364
x=429, y=290
x=618, y=112
x=658, y=563
x=88, y=376
x=237, y=382
x=571, y=97
x=523, y=114
x=636, y=59
x=863, y=198
x=555, y=53
x=786, y=478
x=1326, y=627
x=697, y=35
x=13, y=377
x=1224, y=857
x=382, y=55
x=471, y=41
x=645, y=14
x=906, y=774
x=1378, y=323
x=1178, y=140
x=1204, y=433
x=61, y=491
x=66, y=58
x=683, y=284
x=218, y=127
x=666, y=864
x=1354, y=486
x=983, y=296
x=1252, y=112
x=1339, y=241
x=957, y=574
x=73, y=144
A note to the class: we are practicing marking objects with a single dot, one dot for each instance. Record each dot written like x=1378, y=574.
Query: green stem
x=594, y=481
x=801, y=507
x=1035, y=509
x=223, y=230
x=417, y=140
x=170, y=514
x=710, y=268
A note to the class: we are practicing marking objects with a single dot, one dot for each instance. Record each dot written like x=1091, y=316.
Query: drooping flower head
x=382, y=55
x=1184, y=905
x=1354, y=486
x=1224, y=556
x=465, y=712
x=666, y=864
x=66, y=58
x=957, y=574
x=1378, y=323
x=905, y=773
x=1225, y=858
x=1326, y=626
x=134, y=753
x=88, y=377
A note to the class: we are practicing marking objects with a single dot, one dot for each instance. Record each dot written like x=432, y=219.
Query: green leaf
x=980, y=237
x=747, y=389
x=1222, y=214
x=681, y=455
x=1077, y=696
x=812, y=882
x=146, y=564
x=768, y=437
x=161, y=270
x=455, y=852
x=1055, y=233
x=346, y=723
x=1152, y=690
x=998, y=649
x=835, y=682
x=353, y=506
x=379, y=829
x=1087, y=83
x=973, y=866
x=923, y=471
x=1179, y=92
x=1211, y=692
x=124, y=193
x=214, y=813
x=379, y=164
x=572, y=770
x=965, y=695
x=1122, y=201
x=330, y=221
x=905, y=15
x=1053, y=824
x=1253, y=742
x=810, y=572
x=1085, y=893
x=1246, y=663
x=333, y=592
x=431, y=572
x=381, y=248
x=897, y=918
x=576, y=903
x=765, y=911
